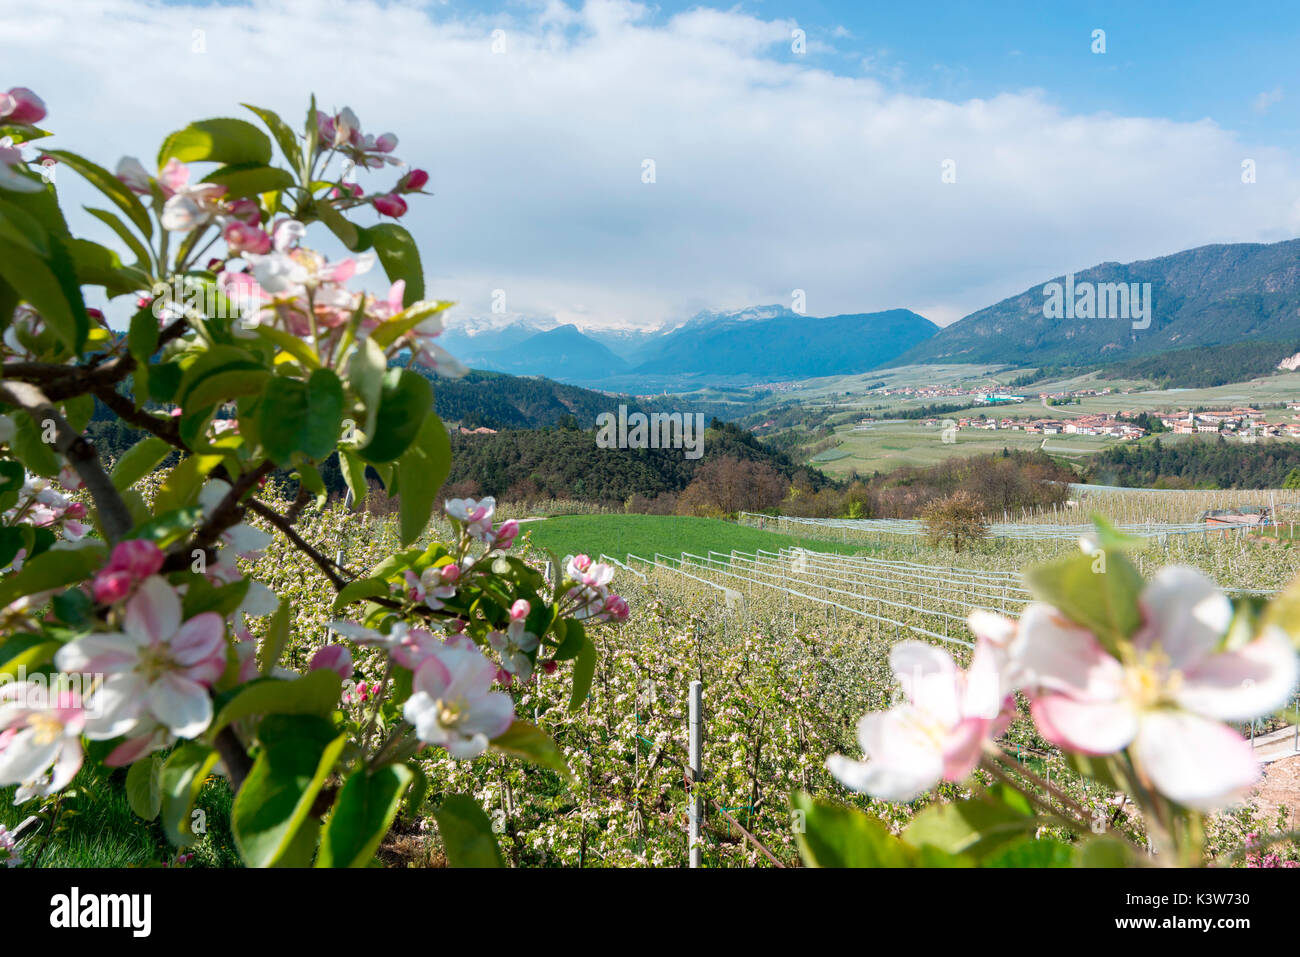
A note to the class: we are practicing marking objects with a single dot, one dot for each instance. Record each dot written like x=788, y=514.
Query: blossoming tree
x=1133, y=681
x=127, y=622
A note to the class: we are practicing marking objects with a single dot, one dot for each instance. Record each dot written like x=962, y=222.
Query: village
x=1245, y=424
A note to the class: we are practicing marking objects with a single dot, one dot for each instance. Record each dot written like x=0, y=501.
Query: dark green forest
x=1197, y=463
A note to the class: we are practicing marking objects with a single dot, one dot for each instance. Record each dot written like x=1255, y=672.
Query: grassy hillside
x=643, y=535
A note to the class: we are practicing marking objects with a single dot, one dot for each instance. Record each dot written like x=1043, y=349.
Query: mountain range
x=1208, y=296
x=1117, y=313
x=741, y=347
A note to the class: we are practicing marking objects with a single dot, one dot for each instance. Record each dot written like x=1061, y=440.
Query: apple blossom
x=390, y=204
x=130, y=563
x=335, y=658
x=416, y=179
x=21, y=105
x=513, y=646
x=40, y=738
x=10, y=854
x=475, y=514
x=453, y=704
x=157, y=667
x=1166, y=695
x=937, y=733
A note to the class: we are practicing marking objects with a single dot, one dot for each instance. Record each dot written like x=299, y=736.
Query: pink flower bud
x=415, y=179
x=21, y=105
x=505, y=534
x=616, y=608
x=581, y=562
x=549, y=666
x=390, y=204
x=247, y=211
x=450, y=573
x=242, y=238
x=353, y=190
x=334, y=658
x=520, y=609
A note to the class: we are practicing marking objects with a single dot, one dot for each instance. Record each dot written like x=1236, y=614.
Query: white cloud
x=772, y=172
x=1266, y=100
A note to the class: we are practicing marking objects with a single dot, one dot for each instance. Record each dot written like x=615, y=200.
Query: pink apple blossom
x=21, y=105
x=453, y=704
x=474, y=514
x=130, y=563
x=1165, y=698
x=390, y=204
x=334, y=658
x=157, y=668
x=513, y=645
x=40, y=738
x=938, y=733
x=416, y=179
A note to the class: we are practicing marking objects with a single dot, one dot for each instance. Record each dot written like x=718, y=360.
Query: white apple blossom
x=157, y=667
x=453, y=705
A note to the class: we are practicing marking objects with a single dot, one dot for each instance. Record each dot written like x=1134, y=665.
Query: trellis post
x=696, y=806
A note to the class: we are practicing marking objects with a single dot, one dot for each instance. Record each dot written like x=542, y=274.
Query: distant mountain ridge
x=1207, y=296
x=755, y=344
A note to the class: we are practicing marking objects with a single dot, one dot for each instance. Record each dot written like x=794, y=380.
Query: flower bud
x=415, y=179
x=21, y=105
x=390, y=204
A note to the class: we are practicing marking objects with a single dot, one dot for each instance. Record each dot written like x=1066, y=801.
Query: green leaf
x=182, y=778
x=354, y=474
x=529, y=742
x=182, y=483
x=1099, y=592
x=359, y=589
x=142, y=336
x=169, y=526
x=404, y=400
x=26, y=653
x=201, y=595
x=51, y=284
x=138, y=249
x=144, y=787
x=1106, y=852
x=315, y=693
x=305, y=417
x=355, y=238
x=222, y=140
x=467, y=833
x=277, y=638
x=298, y=754
x=1033, y=853
x=53, y=569
x=250, y=179
x=977, y=827
x=420, y=473
x=290, y=344
x=112, y=187
x=366, y=370
x=139, y=460
x=833, y=835
x=284, y=136
x=400, y=258
x=573, y=641
x=17, y=226
x=584, y=669
x=221, y=387
x=31, y=449
x=362, y=815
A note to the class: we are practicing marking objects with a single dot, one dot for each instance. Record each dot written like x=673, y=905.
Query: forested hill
x=567, y=464
x=1197, y=463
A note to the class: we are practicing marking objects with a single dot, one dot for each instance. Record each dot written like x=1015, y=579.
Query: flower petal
x=930, y=679
x=1245, y=683
x=181, y=705
x=1058, y=655
x=1195, y=761
x=154, y=612
x=1092, y=727
x=1185, y=615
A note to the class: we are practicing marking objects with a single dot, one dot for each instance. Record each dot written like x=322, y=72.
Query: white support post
x=696, y=806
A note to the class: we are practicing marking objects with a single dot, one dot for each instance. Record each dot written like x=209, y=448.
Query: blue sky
x=775, y=171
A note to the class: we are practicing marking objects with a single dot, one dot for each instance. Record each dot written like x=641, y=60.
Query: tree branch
x=80, y=454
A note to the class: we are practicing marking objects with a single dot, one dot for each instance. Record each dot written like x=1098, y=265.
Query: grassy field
x=619, y=535
x=891, y=445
